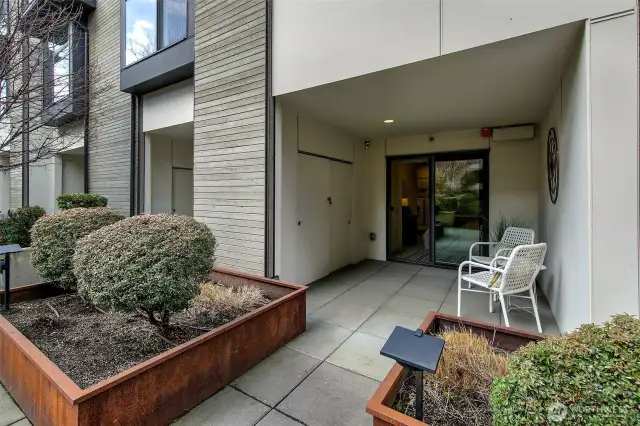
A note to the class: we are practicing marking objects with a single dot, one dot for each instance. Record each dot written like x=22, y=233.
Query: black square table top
x=414, y=349
x=10, y=248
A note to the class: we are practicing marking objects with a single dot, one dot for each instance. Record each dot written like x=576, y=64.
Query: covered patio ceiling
x=505, y=83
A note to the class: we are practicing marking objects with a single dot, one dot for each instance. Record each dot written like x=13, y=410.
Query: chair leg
x=491, y=296
x=504, y=310
x=534, y=302
x=469, y=282
x=459, y=294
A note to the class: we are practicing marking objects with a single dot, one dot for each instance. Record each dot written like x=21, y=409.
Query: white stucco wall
x=295, y=133
x=45, y=183
x=163, y=153
x=472, y=23
x=169, y=106
x=321, y=41
x=566, y=225
x=614, y=166
x=72, y=174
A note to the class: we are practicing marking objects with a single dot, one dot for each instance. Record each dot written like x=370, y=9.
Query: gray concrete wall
x=229, y=129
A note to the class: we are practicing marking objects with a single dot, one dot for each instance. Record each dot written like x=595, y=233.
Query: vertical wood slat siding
x=229, y=128
x=110, y=116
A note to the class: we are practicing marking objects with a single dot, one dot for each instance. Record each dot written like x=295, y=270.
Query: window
x=4, y=96
x=4, y=17
x=152, y=25
x=58, y=69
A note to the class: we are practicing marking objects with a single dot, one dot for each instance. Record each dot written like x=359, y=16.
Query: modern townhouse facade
x=313, y=134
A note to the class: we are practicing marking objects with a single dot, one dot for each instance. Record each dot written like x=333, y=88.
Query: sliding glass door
x=437, y=207
x=459, y=221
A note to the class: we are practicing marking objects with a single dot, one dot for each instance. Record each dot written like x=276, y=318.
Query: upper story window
x=58, y=67
x=152, y=25
x=4, y=17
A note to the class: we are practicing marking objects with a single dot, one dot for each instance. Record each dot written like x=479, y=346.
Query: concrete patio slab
x=361, y=354
x=476, y=312
x=331, y=396
x=410, y=306
x=435, y=289
x=439, y=272
x=382, y=284
x=351, y=309
x=382, y=323
x=320, y=339
x=407, y=267
x=275, y=418
x=272, y=379
x=228, y=407
x=23, y=422
x=10, y=413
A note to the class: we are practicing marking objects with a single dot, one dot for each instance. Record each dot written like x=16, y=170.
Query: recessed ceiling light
x=388, y=121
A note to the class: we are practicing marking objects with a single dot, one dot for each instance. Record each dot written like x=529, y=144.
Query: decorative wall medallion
x=553, y=165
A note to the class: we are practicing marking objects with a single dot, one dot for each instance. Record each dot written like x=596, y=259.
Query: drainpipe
x=87, y=89
x=132, y=175
x=25, y=130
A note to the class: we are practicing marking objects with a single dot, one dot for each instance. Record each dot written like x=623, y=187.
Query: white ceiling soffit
x=504, y=83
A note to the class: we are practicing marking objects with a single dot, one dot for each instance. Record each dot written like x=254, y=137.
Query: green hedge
x=72, y=201
x=150, y=262
x=16, y=227
x=54, y=239
x=588, y=377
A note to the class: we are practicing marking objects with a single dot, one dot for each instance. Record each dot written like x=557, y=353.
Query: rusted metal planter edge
x=379, y=405
x=164, y=387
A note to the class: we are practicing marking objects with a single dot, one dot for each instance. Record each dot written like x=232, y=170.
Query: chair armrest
x=479, y=243
x=478, y=265
x=495, y=260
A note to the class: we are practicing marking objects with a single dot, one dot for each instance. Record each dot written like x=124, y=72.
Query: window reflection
x=141, y=21
x=58, y=67
x=174, y=21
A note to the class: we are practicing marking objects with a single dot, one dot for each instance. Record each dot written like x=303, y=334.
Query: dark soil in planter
x=89, y=345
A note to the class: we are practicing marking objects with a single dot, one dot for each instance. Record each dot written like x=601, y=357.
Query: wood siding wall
x=229, y=129
x=110, y=113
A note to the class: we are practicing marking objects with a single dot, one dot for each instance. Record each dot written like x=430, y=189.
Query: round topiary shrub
x=16, y=227
x=154, y=263
x=75, y=200
x=54, y=239
x=590, y=376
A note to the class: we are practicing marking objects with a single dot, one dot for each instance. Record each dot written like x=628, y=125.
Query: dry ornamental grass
x=459, y=393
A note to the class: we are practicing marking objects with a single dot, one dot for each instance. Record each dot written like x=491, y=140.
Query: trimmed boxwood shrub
x=72, y=201
x=54, y=239
x=591, y=376
x=15, y=229
x=152, y=263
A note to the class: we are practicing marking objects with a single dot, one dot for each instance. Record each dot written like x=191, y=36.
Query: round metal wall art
x=553, y=165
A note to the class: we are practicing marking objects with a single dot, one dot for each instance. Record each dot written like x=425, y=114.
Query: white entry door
x=341, y=195
x=182, y=192
x=314, y=220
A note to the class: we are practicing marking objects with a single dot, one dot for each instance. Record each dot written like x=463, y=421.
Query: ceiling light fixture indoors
x=388, y=121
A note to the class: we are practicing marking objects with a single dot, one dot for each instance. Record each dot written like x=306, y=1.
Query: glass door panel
x=459, y=216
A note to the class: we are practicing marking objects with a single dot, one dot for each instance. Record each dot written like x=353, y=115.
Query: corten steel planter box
x=379, y=406
x=159, y=390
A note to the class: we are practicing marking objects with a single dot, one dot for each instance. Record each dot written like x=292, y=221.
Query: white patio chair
x=518, y=275
x=511, y=238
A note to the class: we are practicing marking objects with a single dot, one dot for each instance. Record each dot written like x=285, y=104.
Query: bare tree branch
x=44, y=78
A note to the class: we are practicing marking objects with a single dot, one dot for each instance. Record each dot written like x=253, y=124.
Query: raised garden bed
x=381, y=403
x=159, y=389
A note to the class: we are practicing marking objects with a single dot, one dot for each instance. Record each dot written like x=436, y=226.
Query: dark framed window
x=64, y=74
x=152, y=25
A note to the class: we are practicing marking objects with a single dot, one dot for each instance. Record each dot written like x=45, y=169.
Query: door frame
x=431, y=159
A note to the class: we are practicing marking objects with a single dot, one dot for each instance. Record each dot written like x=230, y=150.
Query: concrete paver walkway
x=326, y=375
